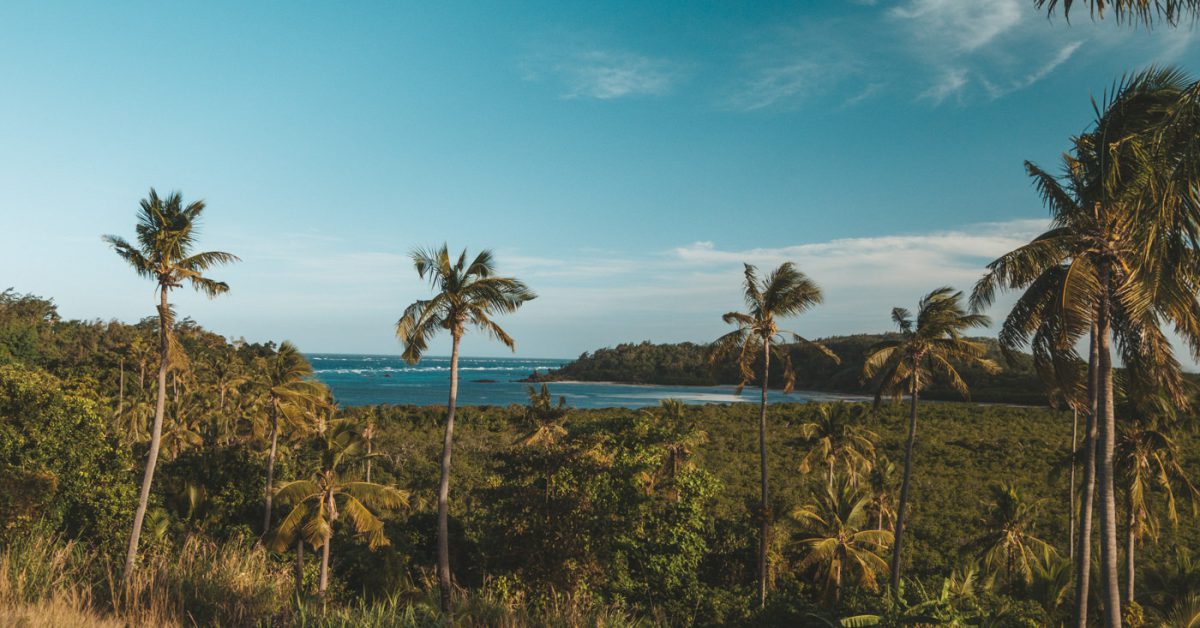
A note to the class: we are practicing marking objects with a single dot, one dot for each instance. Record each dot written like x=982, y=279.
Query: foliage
x=61, y=442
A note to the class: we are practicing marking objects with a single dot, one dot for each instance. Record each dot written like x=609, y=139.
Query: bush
x=54, y=437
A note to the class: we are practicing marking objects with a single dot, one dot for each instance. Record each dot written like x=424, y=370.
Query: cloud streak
x=603, y=74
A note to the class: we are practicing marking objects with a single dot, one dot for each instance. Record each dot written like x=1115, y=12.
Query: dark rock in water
x=536, y=377
x=484, y=381
x=387, y=374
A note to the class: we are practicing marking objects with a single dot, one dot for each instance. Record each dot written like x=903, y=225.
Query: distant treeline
x=686, y=364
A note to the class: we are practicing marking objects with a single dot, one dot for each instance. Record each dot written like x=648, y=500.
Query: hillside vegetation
x=620, y=517
x=687, y=364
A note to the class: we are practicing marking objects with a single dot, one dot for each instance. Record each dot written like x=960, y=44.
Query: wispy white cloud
x=962, y=25
x=863, y=95
x=986, y=49
x=604, y=74
x=952, y=82
x=790, y=66
x=678, y=293
x=326, y=291
x=1060, y=58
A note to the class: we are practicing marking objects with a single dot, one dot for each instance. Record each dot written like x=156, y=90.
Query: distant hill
x=684, y=364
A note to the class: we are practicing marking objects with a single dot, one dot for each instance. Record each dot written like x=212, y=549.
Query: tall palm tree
x=1118, y=263
x=1136, y=11
x=467, y=295
x=838, y=540
x=166, y=234
x=786, y=292
x=1009, y=543
x=1148, y=460
x=318, y=502
x=292, y=393
x=835, y=438
x=930, y=346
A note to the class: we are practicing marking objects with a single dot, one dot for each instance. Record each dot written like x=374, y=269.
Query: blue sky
x=623, y=159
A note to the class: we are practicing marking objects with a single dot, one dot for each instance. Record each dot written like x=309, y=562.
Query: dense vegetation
x=687, y=364
x=568, y=516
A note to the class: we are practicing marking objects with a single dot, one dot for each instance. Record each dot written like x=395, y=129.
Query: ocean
x=370, y=379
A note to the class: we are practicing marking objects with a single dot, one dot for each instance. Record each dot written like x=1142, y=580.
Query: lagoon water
x=370, y=379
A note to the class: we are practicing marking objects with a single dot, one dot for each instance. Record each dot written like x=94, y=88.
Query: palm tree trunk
x=443, y=568
x=269, y=490
x=764, y=528
x=1129, y=552
x=369, y=460
x=1071, y=490
x=902, y=507
x=160, y=408
x=299, y=564
x=837, y=586
x=324, y=583
x=1111, y=587
x=1083, y=549
x=121, y=394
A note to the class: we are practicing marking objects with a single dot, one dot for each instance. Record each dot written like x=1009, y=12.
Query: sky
x=623, y=159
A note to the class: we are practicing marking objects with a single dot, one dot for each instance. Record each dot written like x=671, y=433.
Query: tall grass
x=45, y=581
x=48, y=582
x=204, y=583
x=472, y=609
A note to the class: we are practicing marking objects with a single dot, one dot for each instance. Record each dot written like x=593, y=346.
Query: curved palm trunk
x=269, y=490
x=765, y=528
x=902, y=507
x=160, y=408
x=1071, y=490
x=1083, y=549
x=443, y=541
x=1111, y=588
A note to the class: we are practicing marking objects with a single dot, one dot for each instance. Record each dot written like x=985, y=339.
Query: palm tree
x=932, y=345
x=1118, y=263
x=166, y=233
x=1050, y=581
x=678, y=437
x=881, y=480
x=228, y=377
x=544, y=417
x=838, y=540
x=784, y=293
x=318, y=502
x=835, y=438
x=467, y=294
x=286, y=380
x=1185, y=613
x=1148, y=459
x=1170, y=582
x=1144, y=11
x=1009, y=543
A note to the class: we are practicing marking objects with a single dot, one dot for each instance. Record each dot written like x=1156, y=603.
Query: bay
x=358, y=379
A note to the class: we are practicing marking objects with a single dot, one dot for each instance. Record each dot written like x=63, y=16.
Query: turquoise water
x=369, y=379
